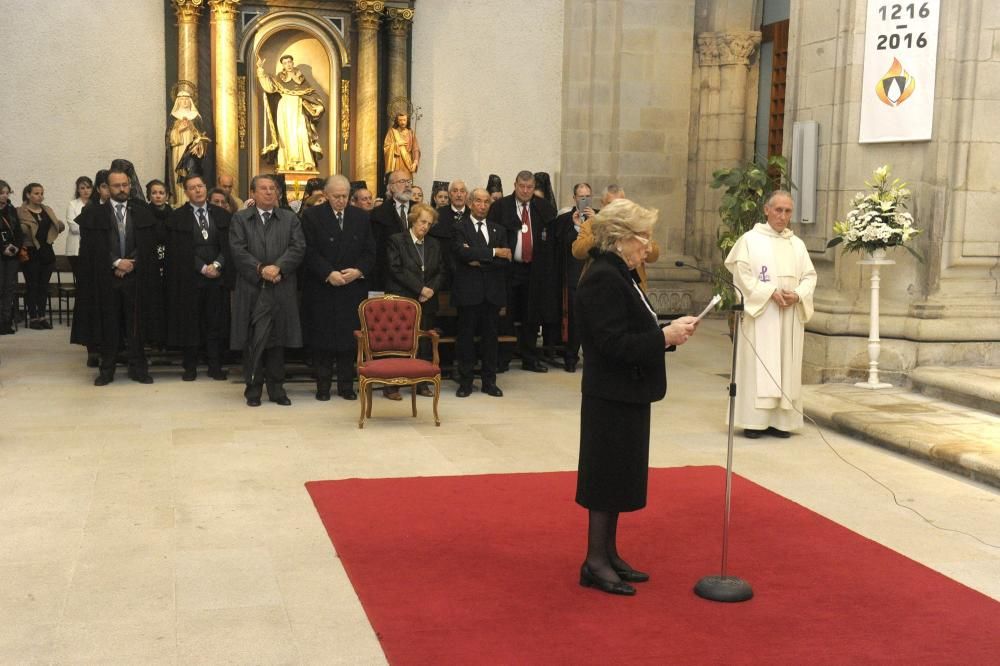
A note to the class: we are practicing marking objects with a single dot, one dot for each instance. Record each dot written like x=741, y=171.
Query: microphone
x=681, y=264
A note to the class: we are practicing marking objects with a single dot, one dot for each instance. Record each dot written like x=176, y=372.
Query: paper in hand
x=711, y=304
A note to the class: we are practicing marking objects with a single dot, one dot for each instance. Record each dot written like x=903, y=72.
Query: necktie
x=203, y=223
x=482, y=234
x=120, y=215
x=340, y=221
x=266, y=216
x=525, y=235
x=401, y=212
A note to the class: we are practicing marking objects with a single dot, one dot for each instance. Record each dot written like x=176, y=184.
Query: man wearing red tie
x=534, y=297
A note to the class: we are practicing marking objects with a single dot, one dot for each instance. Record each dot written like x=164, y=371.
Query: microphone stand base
x=723, y=588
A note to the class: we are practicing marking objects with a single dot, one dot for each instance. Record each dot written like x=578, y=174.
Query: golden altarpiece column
x=299, y=88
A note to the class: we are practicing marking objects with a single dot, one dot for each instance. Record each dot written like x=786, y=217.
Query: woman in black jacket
x=624, y=371
x=11, y=239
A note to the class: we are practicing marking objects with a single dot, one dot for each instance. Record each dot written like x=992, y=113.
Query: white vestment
x=769, y=382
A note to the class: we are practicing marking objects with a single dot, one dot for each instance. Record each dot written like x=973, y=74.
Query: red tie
x=525, y=235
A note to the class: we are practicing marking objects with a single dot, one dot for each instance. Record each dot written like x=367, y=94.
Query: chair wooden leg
x=362, y=400
x=413, y=398
x=370, y=389
x=437, y=394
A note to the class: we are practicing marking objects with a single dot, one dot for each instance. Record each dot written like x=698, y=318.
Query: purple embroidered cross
x=764, y=277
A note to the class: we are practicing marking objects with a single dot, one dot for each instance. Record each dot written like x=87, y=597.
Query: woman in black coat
x=624, y=371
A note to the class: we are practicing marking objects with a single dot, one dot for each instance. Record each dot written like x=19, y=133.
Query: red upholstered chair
x=387, y=351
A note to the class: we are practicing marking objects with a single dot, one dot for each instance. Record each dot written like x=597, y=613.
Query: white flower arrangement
x=878, y=218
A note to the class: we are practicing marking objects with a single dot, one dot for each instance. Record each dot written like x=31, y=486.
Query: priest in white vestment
x=771, y=266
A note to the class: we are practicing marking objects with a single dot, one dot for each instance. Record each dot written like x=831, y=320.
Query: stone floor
x=169, y=523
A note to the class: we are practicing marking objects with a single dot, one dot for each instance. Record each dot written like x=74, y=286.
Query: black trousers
x=482, y=319
x=8, y=281
x=323, y=360
x=572, y=352
x=211, y=311
x=270, y=369
x=36, y=277
x=122, y=323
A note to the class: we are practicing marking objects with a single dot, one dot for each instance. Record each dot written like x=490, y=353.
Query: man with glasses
x=390, y=218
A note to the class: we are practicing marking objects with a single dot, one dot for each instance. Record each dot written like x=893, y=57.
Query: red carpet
x=483, y=570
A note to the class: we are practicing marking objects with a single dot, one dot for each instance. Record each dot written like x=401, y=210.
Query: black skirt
x=614, y=455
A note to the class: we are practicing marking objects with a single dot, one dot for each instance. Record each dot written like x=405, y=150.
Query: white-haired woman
x=624, y=372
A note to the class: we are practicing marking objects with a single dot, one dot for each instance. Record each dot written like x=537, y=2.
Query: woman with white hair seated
x=624, y=372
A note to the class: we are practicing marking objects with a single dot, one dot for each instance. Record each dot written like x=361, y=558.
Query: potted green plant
x=747, y=188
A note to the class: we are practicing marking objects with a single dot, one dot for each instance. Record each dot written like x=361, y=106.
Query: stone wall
x=83, y=85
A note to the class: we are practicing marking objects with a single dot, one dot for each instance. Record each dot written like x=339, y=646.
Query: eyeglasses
x=402, y=182
x=642, y=239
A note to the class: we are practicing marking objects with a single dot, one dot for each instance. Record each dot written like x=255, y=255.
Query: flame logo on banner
x=896, y=85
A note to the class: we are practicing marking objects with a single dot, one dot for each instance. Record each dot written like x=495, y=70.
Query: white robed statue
x=292, y=109
x=772, y=268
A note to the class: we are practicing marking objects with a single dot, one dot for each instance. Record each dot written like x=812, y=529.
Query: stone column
x=188, y=12
x=224, y=87
x=400, y=21
x=369, y=15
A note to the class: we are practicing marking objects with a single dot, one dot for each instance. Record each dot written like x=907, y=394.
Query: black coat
x=568, y=267
x=408, y=275
x=487, y=281
x=385, y=224
x=12, y=228
x=622, y=343
x=444, y=231
x=544, y=291
x=95, y=274
x=330, y=314
x=182, y=270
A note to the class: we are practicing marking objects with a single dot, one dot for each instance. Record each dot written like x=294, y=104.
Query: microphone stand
x=724, y=587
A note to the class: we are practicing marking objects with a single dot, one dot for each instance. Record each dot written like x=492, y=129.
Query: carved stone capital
x=224, y=10
x=400, y=19
x=369, y=13
x=188, y=11
x=727, y=48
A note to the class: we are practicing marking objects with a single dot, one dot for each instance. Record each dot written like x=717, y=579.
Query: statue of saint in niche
x=186, y=139
x=292, y=109
x=400, y=148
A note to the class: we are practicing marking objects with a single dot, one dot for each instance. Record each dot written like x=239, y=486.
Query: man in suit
x=198, y=276
x=340, y=254
x=534, y=294
x=567, y=227
x=390, y=219
x=119, y=290
x=416, y=270
x=479, y=291
x=448, y=217
x=267, y=247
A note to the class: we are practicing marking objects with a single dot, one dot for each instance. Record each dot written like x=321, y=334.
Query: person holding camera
x=11, y=239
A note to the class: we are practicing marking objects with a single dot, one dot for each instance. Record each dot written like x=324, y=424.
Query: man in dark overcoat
x=340, y=254
x=198, y=276
x=478, y=292
x=267, y=247
x=569, y=268
x=534, y=296
x=390, y=219
x=119, y=292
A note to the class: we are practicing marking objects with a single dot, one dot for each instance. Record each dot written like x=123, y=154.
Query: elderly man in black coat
x=267, y=248
x=340, y=254
x=534, y=296
x=389, y=219
x=198, y=276
x=119, y=292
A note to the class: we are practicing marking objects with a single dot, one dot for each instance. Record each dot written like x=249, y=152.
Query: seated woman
x=416, y=270
x=41, y=227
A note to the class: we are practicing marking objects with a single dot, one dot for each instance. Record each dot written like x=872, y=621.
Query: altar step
x=952, y=422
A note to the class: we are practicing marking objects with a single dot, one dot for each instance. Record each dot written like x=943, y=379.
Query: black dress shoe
x=589, y=579
x=463, y=391
x=282, y=400
x=425, y=391
x=104, y=379
x=218, y=374
x=534, y=367
x=493, y=390
x=47, y=324
x=630, y=575
x=253, y=402
x=37, y=325
x=190, y=375
x=347, y=394
x=753, y=434
x=323, y=395
x=143, y=378
x=570, y=366
x=783, y=434
x=9, y=330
